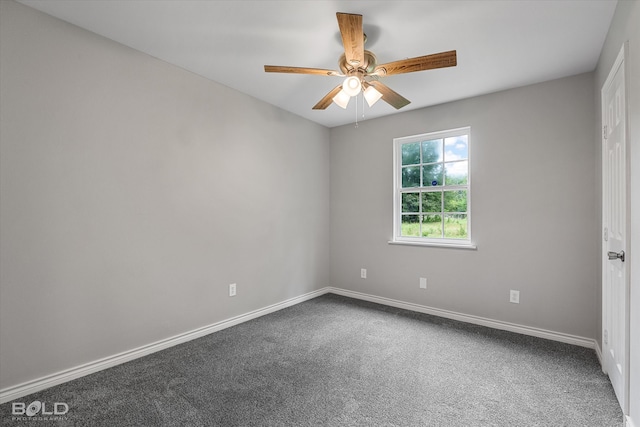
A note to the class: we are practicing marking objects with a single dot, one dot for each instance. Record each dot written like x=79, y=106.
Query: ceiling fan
x=362, y=71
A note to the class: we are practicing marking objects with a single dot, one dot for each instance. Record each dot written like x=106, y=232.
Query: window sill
x=467, y=246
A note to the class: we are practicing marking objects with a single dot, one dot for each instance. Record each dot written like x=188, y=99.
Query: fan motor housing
x=367, y=66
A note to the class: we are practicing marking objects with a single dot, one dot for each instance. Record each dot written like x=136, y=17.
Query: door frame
x=618, y=63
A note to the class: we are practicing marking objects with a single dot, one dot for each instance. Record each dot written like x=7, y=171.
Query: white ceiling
x=500, y=44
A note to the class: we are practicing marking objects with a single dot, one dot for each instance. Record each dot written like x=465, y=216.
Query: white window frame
x=398, y=190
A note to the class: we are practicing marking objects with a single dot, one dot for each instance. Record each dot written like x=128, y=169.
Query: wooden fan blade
x=391, y=97
x=328, y=98
x=352, y=37
x=300, y=70
x=421, y=63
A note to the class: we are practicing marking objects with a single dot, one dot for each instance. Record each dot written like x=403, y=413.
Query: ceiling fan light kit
x=351, y=86
x=341, y=99
x=371, y=95
x=361, y=70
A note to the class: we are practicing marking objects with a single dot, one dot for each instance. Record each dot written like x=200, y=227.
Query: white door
x=614, y=204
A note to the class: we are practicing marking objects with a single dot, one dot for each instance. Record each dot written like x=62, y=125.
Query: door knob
x=616, y=255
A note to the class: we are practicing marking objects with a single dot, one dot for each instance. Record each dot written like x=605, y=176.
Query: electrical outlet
x=232, y=290
x=514, y=296
x=363, y=273
x=423, y=283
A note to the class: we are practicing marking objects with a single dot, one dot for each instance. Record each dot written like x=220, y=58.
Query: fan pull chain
x=356, y=126
x=356, y=102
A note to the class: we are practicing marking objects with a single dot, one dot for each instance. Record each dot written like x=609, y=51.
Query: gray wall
x=625, y=28
x=134, y=192
x=533, y=208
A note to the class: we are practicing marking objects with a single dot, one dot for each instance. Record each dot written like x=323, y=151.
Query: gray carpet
x=336, y=361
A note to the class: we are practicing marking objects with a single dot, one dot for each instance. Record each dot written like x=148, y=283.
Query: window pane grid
x=433, y=188
x=443, y=223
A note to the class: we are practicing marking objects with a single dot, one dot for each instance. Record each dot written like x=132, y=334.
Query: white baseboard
x=34, y=386
x=476, y=320
x=629, y=422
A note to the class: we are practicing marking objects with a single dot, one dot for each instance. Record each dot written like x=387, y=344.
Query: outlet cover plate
x=514, y=296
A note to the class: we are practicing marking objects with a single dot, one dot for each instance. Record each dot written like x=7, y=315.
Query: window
x=432, y=189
